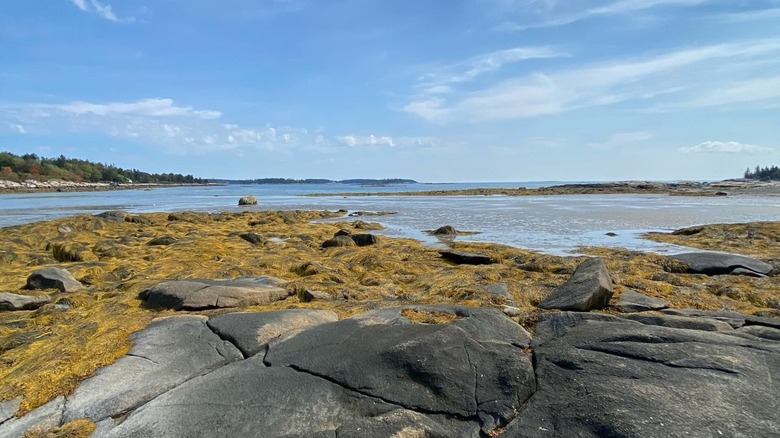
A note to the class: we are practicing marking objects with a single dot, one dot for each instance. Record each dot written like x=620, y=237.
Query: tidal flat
x=47, y=352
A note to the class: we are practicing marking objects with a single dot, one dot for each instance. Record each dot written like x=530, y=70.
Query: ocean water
x=551, y=224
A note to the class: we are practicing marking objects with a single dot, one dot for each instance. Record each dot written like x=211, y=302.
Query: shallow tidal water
x=551, y=224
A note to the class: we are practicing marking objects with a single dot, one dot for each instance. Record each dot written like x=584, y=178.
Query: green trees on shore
x=763, y=173
x=31, y=166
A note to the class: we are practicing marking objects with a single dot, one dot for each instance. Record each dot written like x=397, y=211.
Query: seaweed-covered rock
x=114, y=215
x=162, y=241
x=53, y=278
x=589, y=288
x=338, y=241
x=198, y=294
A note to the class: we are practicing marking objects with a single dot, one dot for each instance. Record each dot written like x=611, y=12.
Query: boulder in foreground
x=632, y=301
x=715, y=263
x=53, y=278
x=589, y=288
x=199, y=294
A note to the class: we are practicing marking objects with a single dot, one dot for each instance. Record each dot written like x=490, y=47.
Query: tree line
x=763, y=173
x=31, y=166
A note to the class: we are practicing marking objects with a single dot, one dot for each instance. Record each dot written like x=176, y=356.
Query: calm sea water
x=553, y=224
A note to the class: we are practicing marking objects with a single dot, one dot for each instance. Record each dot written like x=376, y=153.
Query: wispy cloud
x=182, y=129
x=103, y=10
x=606, y=83
x=437, y=81
x=728, y=147
x=620, y=139
x=553, y=15
x=753, y=15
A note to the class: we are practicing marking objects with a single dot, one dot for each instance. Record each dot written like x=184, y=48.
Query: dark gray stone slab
x=761, y=332
x=589, y=288
x=632, y=302
x=473, y=381
x=620, y=379
x=682, y=322
x=53, y=278
x=715, y=263
x=466, y=258
x=251, y=332
x=199, y=294
x=169, y=352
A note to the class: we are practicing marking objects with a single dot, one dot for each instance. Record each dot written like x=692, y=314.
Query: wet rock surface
x=466, y=258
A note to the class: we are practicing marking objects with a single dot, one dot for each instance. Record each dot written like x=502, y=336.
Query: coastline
x=720, y=188
x=35, y=186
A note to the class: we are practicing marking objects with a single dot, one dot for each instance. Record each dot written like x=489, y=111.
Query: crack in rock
x=672, y=364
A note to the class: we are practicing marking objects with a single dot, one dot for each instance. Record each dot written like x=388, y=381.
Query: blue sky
x=437, y=90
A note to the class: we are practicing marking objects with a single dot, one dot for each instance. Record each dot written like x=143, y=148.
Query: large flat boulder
x=248, y=399
x=53, y=278
x=199, y=294
x=252, y=331
x=715, y=263
x=619, y=378
x=466, y=258
x=589, y=288
x=166, y=354
x=9, y=301
x=432, y=368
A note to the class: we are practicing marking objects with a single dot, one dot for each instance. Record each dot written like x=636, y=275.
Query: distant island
x=765, y=174
x=373, y=182
x=32, y=167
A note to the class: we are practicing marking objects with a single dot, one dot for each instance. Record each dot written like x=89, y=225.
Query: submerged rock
x=589, y=288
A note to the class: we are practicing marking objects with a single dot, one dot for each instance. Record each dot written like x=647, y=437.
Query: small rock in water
x=247, y=200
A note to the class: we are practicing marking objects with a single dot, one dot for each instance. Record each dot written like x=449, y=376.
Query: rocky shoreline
x=266, y=324
x=36, y=186
x=721, y=188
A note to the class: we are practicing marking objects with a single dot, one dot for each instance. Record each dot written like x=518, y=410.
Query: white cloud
x=755, y=15
x=436, y=82
x=103, y=10
x=607, y=83
x=182, y=129
x=728, y=147
x=143, y=107
x=19, y=129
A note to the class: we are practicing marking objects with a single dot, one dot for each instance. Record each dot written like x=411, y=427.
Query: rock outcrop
x=589, y=288
x=9, y=301
x=632, y=301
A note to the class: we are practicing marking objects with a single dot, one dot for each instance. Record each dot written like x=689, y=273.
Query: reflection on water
x=554, y=224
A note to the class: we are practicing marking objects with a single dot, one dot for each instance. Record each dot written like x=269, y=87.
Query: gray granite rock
x=682, y=322
x=9, y=301
x=251, y=332
x=589, y=288
x=169, y=352
x=621, y=379
x=8, y=409
x=761, y=332
x=198, y=294
x=715, y=263
x=632, y=302
x=40, y=419
x=53, y=278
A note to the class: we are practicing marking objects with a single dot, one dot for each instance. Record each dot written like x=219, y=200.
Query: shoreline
x=53, y=186
x=720, y=188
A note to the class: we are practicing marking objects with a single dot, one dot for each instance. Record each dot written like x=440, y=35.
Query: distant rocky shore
x=270, y=324
x=31, y=185
x=685, y=188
